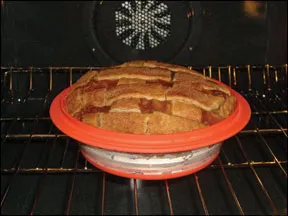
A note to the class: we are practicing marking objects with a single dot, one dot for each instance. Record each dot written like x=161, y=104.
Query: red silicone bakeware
x=149, y=144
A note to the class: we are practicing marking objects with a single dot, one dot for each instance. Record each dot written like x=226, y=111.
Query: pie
x=148, y=97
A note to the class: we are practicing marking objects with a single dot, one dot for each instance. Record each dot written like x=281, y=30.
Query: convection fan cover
x=119, y=31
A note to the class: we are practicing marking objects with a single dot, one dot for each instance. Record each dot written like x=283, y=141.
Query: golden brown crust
x=87, y=77
x=211, y=85
x=95, y=97
x=186, y=73
x=135, y=63
x=188, y=111
x=148, y=91
x=151, y=97
x=74, y=101
x=211, y=117
x=126, y=105
x=161, y=123
x=200, y=84
x=156, y=64
x=135, y=123
x=228, y=106
x=149, y=106
x=135, y=73
x=130, y=81
x=220, y=114
x=187, y=77
x=91, y=119
x=207, y=102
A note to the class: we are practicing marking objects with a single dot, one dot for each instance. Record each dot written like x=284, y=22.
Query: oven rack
x=32, y=148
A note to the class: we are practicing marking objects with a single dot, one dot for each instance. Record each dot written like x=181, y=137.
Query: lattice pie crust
x=148, y=97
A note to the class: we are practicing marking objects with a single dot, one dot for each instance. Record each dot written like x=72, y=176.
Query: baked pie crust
x=149, y=97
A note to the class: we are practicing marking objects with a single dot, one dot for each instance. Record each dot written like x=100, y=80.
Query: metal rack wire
x=248, y=177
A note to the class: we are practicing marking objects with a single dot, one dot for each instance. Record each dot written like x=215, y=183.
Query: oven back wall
x=101, y=33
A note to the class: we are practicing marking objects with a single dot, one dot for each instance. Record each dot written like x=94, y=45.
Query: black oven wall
x=100, y=33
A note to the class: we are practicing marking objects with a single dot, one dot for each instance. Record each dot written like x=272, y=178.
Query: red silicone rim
x=149, y=177
x=133, y=143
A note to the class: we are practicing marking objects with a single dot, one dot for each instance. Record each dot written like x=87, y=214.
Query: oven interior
x=43, y=172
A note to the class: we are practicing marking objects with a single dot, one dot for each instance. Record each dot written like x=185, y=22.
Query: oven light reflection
x=138, y=183
x=255, y=9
